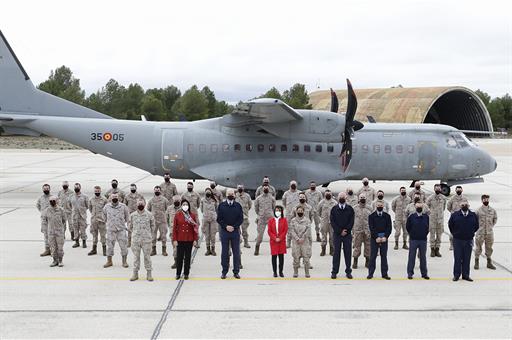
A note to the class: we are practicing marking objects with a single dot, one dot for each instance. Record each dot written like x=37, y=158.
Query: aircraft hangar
x=457, y=106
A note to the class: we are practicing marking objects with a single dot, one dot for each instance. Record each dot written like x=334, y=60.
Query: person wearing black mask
x=290, y=200
x=342, y=222
x=79, y=207
x=453, y=205
x=367, y=190
x=324, y=212
x=216, y=192
x=130, y=200
x=157, y=205
x=96, y=205
x=352, y=198
x=314, y=197
x=42, y=203
x=264, y=206
x=170, y=213
x=380, y=226
x=64, y=201
x=437, y=204
x=487, y=218
x=168, y=188
x=380, y=198
x=116, y=218
x=308, y=214
x=418, y=228
x=115, y=190
x=192, y=197
x=209, y=225
x=141, y=226
x=463, y=225
x=55, y=218
x=399, y=207
x=246, y=202
x=361, y=232
x=417, y=190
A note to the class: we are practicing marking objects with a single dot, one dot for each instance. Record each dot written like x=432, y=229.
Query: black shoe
x=467, y=279
x=178, y=277
x=426, y=277
x=281, y=274
x=186, y=277
x=386, y=277
x=455, y=279
x=369, y=277
x=236, y=276
x=349, y=276
x=275, y=274
x=333, y=276
x=223, y=276
x=409, y=277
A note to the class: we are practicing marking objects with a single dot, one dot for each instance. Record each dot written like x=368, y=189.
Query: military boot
x=438, y=254
x=46, y=252
x=322, y=253
x=125, y=264
x=55, y=263
x=84, y=244
x=149, y=277
x=164, y=251
x=477, y=263
x=77, y=244
x=295, y=272
x=212, y=252
x=135, y=276
x=354, y=265
x=93, y=250
x=318, y=239
x=432, y=252
x=208, y=251
x=104, y=246
x=246, y=243
x=60, y=262
x=153, y=251
x=257, y=250
x=109, y=262
x=405, y=246
x=306, y=271
x=396, y=245
x=72, y=235
x=331, y=250
x=366, y=261
x=490, y=265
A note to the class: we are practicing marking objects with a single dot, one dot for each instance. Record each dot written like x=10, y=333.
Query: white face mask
x=184, y=207
x=278, y=213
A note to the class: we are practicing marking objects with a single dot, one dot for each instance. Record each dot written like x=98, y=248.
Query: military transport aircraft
x=262, y=137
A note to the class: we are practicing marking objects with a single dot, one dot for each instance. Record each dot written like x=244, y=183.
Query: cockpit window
x=458, y=140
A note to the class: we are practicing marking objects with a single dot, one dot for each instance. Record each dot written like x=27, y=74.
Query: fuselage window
x=307, y=148
x=387, y=149
x=376, y=149
x=330, y=148
x=237, y=147
x=295, y=148
x=410, y=148
x=451, y=143
x=365, y=148
x=399, y=148
x=190, y=148
x=272, y=147
x=225, y=147
x=248, y=147
x=318, y=148
x=202, y=147
x=261, y=147
x=284, y=148
x=214, y=148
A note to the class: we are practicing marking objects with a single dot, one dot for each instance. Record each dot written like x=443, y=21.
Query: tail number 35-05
x=107, y=136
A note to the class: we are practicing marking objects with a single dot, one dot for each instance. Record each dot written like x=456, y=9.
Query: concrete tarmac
x=84, y=300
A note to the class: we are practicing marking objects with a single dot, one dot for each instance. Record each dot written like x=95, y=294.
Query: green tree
x=132, y=101
x=63, y=84
x=500, y=110
x=193, y=105
x=297, y=97
x=169, y=97
x=486, y=99
x=212, y=101
x=152, y=108
x=272, y=93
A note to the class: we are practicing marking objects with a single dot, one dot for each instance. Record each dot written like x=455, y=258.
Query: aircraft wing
x=261, y=111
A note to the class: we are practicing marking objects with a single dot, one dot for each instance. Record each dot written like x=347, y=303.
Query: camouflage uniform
x=399, y=205
x=79, y=204
x=116, y=217
x=452, y=206
x=420, y=191
x=361, y=230
x=169, y=213
x=437, y=204
x=55, y=219
x=487, y=219
x=367, y=191
x=65, y=203
x=301, y=230
x=168, y=190
x=96, y=205
x=209, y=226
x=245, y=201
x=157, y=205
x=324, y=212
x=217, y=193
x=42, y=203
x=130, y=200
x=120, y=194
x=264, y=206
x=194, y=200
x=290, y=200
x=314, y=197
x=141, y=226
x=411, y=209
x=352, y=200
x=271, y=191
x=384, y=203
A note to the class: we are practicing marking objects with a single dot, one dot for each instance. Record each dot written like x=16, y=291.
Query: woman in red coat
x=185, y=233
x=277, y=229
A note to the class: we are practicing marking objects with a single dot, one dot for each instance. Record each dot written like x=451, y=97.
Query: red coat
x=184, y=230
x=277, y=248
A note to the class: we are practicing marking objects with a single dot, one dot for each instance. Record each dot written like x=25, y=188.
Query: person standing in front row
x=277, y=230
x=230, y=217
x=185, y=234
x=417, y=226
x=380, y=226
x=342, y=221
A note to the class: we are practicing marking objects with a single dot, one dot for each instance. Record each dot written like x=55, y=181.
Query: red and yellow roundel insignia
x=107, y=136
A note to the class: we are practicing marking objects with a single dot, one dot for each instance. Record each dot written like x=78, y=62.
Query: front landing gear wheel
x=445, y=189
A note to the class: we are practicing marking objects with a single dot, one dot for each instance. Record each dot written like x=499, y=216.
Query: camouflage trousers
x=436, y=230
x=361, y=237
x=480, y=239
x=145, y=246
x=79, y=227
x=316, y=219
x=98, y=227
x=162, y=227
x=400, y=230
x=69, y=222
x=262, y=225
x=326, y=231
x=301, y=251
x=56, y=241
x=209, y=229
x=245, y=228
x=44, y=230
x=289, y=234
x=121, y=237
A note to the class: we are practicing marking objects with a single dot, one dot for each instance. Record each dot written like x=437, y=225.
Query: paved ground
x=83, y=299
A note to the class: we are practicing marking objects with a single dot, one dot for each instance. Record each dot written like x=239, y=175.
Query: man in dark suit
x=418, y=228
x=342, y=221
x=230, y=216
x=463, y=225
x=380, y=226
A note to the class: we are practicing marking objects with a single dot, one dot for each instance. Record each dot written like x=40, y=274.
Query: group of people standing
x=349, y=222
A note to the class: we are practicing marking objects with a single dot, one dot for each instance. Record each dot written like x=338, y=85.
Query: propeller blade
x=346, y=153
x=334, y=102
x=351, y=105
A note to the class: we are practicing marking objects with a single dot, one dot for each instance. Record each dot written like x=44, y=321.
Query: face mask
x=437, y=191
x=342, y=200
x=157, y=193
x=176, y=204
x=380, y=197
x=302, y=200
x=486, y=203
x=133, y=191
x=53, y=203
x=77, y=190
x=212, y=186
x=114, y=185
x=328, y=196
x=362, y=201
x=230, y=198
x=278, y=213
x=464, y=208
x=416, y=200
x=300, y=214
x=313, y=188
x=115, y=200
x=459, y=192
x=140, y=207
x=379, y=209
x=208, y=195
x=417, y=187
x=65, y=187
x=167, y=179
x=46, y=192
x=184, y=207
x=189, y=189
x=365, y=184
x=265, y=191
x=240, y=190
x=403, y=193
x=97, y=194
x=293, y=186
x=419, y=210
x=350, y=192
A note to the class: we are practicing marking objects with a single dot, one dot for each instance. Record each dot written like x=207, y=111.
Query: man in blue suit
x=380, y=226
x=342, y=221
x=463, y=225
x=230, y=217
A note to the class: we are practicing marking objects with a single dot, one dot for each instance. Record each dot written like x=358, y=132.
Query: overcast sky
x=242, y=48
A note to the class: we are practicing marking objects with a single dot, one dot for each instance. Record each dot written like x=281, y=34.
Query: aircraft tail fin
x=18, y=95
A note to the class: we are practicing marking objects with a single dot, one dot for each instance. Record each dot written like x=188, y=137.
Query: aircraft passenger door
x=172, y=149
x=428, y=158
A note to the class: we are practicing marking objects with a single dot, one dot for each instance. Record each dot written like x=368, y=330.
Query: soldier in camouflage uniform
x=411, y=207
x=290, y=200
x=115, y=190
x=399, y=205
x=192, y=197
x=42, y=203
x=487, y=219
x=79, y=207
x=170, y=212
x=367, y=191
x=453, y=205
x=437, y=204
x=417, y=189
x=96, y=205
x=216, y=192
x=130, y=200
x=308, y=213
x=245, y=201
x=116, y=218
x=324, y=212
x=64, y=201
x=380, y=198
x=141, y=226
x=361, y=231
x=352, y=199
x=55, y=218
x=301, y=241
x=168, y=188
x=209, y=228
x=264, y=206
x=157, y=205
x=314, y=197
x=271, y=189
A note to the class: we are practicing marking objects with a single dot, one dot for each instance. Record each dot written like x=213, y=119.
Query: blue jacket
x=342, y=219
x=417, y=227
x=380, y=224
x=463, y=227
x=230, y=215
